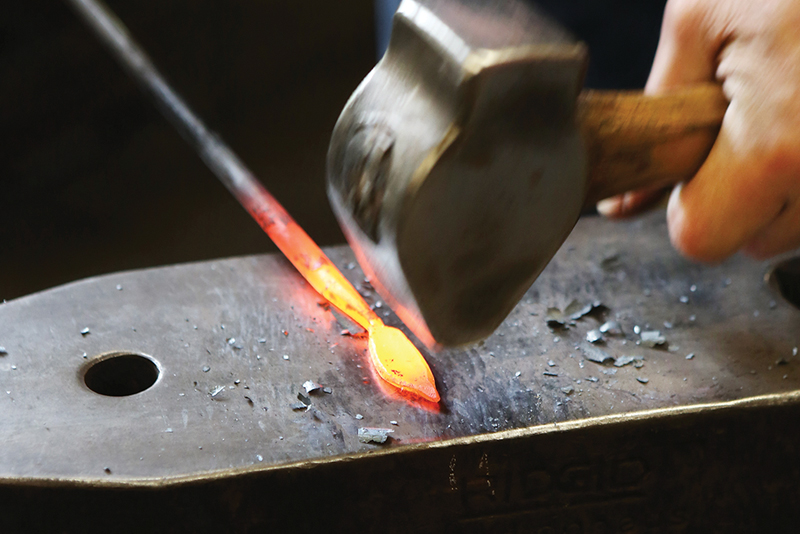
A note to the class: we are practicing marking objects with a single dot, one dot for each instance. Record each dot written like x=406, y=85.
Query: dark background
x=93, y=180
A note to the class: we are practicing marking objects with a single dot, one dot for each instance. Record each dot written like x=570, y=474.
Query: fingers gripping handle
x=635, y=140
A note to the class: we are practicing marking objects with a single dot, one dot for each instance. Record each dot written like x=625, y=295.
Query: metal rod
x=222, y=161
x=290, y=238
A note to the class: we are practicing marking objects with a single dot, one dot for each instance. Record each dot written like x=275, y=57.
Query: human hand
x=747, y=193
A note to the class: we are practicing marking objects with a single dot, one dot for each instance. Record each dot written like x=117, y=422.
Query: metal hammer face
x=456, y=168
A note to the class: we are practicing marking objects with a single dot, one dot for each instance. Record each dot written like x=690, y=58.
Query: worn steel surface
x=233, y=324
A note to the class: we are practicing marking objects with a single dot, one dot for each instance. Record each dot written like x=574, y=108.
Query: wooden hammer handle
x=635, y=141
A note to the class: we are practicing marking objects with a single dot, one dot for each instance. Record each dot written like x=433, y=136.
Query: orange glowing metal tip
x=394, y=357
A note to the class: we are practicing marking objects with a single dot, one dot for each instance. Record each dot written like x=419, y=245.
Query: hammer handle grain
x=635, y=140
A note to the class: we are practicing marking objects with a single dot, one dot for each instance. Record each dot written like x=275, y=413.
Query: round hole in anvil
x=121, y=374
x=785, y=279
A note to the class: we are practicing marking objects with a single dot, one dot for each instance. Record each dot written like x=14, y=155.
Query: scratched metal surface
x=54, y=427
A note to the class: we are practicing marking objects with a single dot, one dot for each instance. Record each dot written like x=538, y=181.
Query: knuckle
x=679, y=9
x=683, y=17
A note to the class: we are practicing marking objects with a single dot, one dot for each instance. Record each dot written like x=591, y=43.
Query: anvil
x=530, y=430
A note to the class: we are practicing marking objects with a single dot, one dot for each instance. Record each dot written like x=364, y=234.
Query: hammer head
x=456, y=169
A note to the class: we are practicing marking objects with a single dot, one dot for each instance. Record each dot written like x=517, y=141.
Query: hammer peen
x=462, y=162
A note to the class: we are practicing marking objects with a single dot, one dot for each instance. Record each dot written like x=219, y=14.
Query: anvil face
x=223, y=402
x=456, y=169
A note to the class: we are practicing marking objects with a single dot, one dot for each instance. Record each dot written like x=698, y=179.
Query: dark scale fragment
x=596, y=355
x=612, y=328
x=652, y=338
x=374, y=435
x=575, y=310
x=310, y=386
x=622, y=361
x=610, y=262
x=555, y=318
x=594, y=336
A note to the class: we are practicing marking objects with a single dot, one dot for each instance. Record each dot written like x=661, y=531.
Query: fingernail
x=609, y=207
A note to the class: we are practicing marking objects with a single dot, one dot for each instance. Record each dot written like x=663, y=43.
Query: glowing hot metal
x=392, y=354
x=394, y=357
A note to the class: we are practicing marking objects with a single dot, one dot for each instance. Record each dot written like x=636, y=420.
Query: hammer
x=463, y=160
